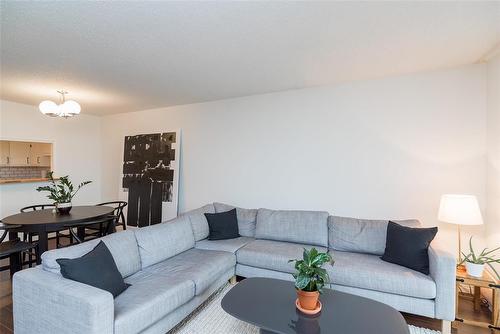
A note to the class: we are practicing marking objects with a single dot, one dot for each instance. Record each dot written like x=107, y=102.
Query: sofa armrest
x=45, y=302
x=442, y=267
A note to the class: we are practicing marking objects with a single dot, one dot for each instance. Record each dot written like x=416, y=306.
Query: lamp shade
x=48, y=108
x=460, y=210
x=70, y=107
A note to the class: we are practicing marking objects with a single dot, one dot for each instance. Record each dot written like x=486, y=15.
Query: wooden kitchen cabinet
x=40, y=154
x=20, y=152
x=24, y=161
x=4, y=153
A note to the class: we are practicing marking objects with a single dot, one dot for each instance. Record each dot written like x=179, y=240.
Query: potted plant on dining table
x=310, y=279
x=61, y=192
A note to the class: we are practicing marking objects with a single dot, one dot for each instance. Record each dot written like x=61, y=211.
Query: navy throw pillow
x=222, y=225
x=96, y=268
x=408, y=246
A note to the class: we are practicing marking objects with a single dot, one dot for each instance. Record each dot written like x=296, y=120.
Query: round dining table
x=43, y=222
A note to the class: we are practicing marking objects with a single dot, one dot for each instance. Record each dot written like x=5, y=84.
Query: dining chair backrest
x=16, y=247
x=6, y=228
x=117, y=212
x=73, y=227
x=37, y=207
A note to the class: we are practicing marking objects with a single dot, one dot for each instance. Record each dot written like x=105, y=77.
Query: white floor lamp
x=460, y=210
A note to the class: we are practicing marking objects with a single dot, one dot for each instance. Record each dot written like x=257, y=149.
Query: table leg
x=14, y=259
x=496, y=307
x=477, y=298
x=43, y=244
x=80, y=232
x=110, y=228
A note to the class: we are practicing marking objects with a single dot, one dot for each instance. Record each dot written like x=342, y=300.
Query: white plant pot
x=475, y=270
x=63, y=208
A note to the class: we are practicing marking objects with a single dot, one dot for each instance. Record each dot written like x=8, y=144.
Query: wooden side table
x=488, y=281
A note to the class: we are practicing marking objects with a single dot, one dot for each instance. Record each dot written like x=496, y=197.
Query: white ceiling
x=123, y=56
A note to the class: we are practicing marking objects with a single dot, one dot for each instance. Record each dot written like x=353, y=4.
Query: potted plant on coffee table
x=61, y=192
x=475, y=263
x=310, y=279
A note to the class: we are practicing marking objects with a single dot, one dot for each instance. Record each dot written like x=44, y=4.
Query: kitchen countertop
x=38, y=179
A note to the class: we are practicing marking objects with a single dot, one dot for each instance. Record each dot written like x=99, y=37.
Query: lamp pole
x=459, y=245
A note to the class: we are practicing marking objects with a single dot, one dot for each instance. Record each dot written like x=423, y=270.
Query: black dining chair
x=107, y=224
x=29, y=236
x=118, y=212
x=16, y=247
x=98, y=230
x=59, y=234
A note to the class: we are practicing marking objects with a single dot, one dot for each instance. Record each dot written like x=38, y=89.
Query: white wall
x=385, y=148
x=77, y=152
x=493, y=146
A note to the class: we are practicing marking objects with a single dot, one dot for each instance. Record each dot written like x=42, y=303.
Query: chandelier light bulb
x=71, y=107
x=48, y=108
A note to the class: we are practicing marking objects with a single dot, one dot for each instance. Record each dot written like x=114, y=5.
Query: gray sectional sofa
x=172, y=268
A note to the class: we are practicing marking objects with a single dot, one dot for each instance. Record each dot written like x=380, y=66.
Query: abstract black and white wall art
x=151, y=177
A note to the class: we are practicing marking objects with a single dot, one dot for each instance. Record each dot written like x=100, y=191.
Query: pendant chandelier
x=64, y=109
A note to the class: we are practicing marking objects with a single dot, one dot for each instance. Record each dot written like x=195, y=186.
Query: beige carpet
x=210, y=318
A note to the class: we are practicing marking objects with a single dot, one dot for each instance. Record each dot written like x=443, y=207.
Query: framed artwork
x=151, y=177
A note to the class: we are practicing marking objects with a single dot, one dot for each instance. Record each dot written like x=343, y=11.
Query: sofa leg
x=232, y=280
x=446, y=327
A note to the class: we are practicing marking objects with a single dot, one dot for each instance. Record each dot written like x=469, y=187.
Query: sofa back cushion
x=246, y=218
x=361, y=235
x=162, y=241
x=122, y=245
x=305, y=227
x=199, y=222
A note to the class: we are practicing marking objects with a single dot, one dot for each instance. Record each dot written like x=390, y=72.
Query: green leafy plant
x=62, y=190
x=486, y=256
x=310, y=275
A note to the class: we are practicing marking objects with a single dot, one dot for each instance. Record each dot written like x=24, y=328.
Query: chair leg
x=38, y=257
x=30, y=253
x=15, y=263
x=29, y=258
x=445, y=327
x=110, y=228
x=25, y=239
x=232, y=280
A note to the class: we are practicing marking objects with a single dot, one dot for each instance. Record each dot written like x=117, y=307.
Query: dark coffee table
x=270, y=305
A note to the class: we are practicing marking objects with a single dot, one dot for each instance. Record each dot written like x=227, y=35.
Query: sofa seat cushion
x=122, y=245
x=203, y=267
x=367, y=271
x=273, y=255
x=149, y=299
x=229, y=245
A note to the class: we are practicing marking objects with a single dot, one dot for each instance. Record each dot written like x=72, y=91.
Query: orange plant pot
x=308, y=300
